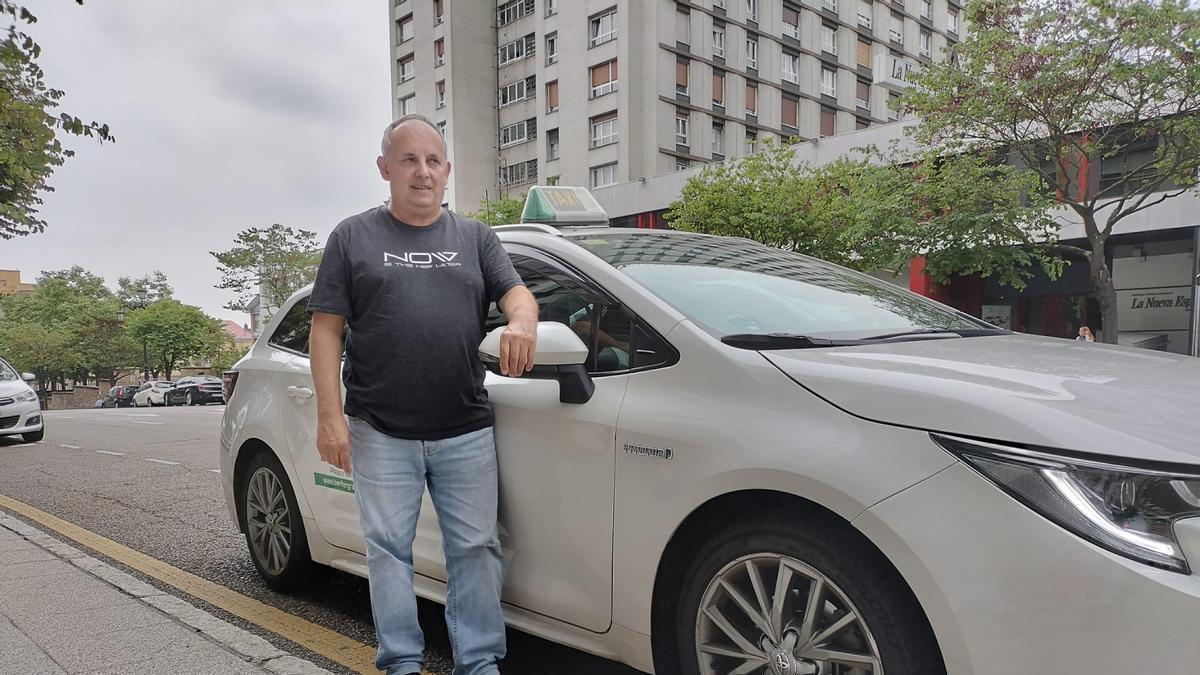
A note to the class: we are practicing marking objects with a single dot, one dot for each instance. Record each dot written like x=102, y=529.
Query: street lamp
x=141, y=293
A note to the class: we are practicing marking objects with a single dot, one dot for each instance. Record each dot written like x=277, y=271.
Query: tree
x=155, y=285
x=46, y=352
x=275, y=261
x=503, y=211
x=870, y=214
x=32, y=147
x=174, y=333
x=1059, y=84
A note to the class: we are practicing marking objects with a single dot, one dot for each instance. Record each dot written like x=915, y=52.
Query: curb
x=249, y=646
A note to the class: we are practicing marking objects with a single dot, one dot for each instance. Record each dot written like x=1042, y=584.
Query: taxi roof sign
x=562, y=205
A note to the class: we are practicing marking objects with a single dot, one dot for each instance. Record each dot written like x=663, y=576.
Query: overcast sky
x=228, y=114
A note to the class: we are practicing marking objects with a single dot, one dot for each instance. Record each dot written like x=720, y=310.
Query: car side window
x=144, y=387
x=292, y=332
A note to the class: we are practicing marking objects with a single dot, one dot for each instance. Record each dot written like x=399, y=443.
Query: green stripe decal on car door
x=335, y=482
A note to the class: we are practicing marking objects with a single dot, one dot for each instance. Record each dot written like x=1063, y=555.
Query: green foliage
x=503, y=211
x=1058, y=83
x=226, y=356
x=155, y=286
x=276, y=259
x=175, y=333
x=871, y=214
x=31, y=146
x=31, y=347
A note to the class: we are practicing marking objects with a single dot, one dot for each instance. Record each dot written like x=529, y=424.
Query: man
x=413, y=283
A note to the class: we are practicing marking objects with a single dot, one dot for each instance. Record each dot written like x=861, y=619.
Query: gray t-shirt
x=415, y=300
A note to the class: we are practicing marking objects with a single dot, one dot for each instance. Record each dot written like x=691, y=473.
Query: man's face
x=416, y=166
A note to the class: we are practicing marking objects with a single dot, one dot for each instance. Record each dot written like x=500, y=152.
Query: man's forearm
x=325, y=351
x=519, y=305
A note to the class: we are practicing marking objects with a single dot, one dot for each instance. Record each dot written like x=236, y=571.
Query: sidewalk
x=63, y=611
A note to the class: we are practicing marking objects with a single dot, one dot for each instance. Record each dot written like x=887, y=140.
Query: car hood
x=12, y=388
x=1018, y=388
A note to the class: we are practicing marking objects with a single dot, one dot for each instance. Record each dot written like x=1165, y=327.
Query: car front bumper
x=28, y=416
x=1007, y=591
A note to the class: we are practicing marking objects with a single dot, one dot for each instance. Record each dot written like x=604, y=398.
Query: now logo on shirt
x=421, y=259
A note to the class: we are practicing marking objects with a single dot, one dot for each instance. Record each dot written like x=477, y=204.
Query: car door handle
x=299, y=392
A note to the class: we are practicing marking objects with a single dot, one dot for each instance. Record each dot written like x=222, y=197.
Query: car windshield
x=164, y=384
x=730, y=286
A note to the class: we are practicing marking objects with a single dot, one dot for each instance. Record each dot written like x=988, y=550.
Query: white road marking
x=215, y=470
x=141, y=422
x=139, y=414
x=109, y=452
x=162, y=461
x=21, y=445
x=73, y=447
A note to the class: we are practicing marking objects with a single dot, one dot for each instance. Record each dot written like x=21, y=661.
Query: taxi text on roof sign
x=562, y=205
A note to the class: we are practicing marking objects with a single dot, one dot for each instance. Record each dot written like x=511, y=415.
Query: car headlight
x=26, y=396
x=1126, y=509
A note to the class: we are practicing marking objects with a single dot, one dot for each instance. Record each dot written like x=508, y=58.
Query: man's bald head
x=386, y=144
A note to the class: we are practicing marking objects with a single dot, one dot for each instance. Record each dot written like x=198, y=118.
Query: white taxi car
x=20, y=412
x=742, y=460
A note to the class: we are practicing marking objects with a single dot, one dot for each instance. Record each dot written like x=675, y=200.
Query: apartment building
x=602, y=92
x=11, y=284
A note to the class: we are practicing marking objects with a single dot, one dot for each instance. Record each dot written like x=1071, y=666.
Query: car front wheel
x=34, y=436
x=273, y=526
x=782, y=594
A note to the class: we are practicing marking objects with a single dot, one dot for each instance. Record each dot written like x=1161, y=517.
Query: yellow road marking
x=332, y=645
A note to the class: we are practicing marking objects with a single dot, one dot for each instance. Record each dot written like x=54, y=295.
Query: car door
x=557, y=460
x=328, y=490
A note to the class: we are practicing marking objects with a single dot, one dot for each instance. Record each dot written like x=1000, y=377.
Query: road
x=147, y=479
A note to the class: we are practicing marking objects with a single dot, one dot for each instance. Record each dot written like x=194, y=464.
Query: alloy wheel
x=770, y=614
x=268, y=521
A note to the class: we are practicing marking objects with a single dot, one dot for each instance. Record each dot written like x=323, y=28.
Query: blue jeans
x=390, y=475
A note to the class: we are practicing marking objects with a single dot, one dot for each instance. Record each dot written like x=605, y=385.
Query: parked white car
x=757, y=462
x=152, y=394
x=20, y=412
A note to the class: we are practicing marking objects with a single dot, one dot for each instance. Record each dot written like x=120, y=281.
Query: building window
x=828, y=82
x=751, y=145
x=441, y=127
x=681, y=164
x=828, y=39
x=718, y=88
x=719, y=3
x=860, y=123
x=864, y=53
x=521, y=172
x=551, y=96
x=893, y=107
x=896, y=31
x=828, y=122
x=752, y=10
x=752, y=54
x=719, y=41
x=404, y=29
x=408, y=105
x=952, y=22
x=604, y=129
x=552, y=145
x=830, y=5
x=604, y=175
x=552, y=180
x=603, y=28
x=438, y=8
x=718, y=138
x=441, y=94
x=683, y=25
x=551, y=7
x=516, y=50
x=604, y=78
x=406, y=68
x=751, y=98
x=511, y=11
x=791, y=68
x=926, y=9
x=791, y=23
x=515, y=134
x=551, y=48
x=439, y=53
x=681, y=127
x=517, y=91
x=789, y=112
x=864, y=13
x=923, y=45
x=681, y=77
x=863, y=94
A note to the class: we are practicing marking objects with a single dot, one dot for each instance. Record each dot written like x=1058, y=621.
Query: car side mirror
x=559, y=355
x=28, y=377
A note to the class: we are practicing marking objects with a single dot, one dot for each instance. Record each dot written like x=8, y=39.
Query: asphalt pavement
x=147, y=479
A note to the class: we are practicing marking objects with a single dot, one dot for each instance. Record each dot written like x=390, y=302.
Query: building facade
x=10, y=283
x=602, y=92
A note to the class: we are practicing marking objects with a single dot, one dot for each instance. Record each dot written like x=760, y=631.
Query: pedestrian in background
x=1085, y=335
x=413, y=281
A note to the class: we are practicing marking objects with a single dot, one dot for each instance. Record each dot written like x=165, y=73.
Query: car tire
x=853, y=577
x=189, y=399
x=34, y=436
x=276, y=539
